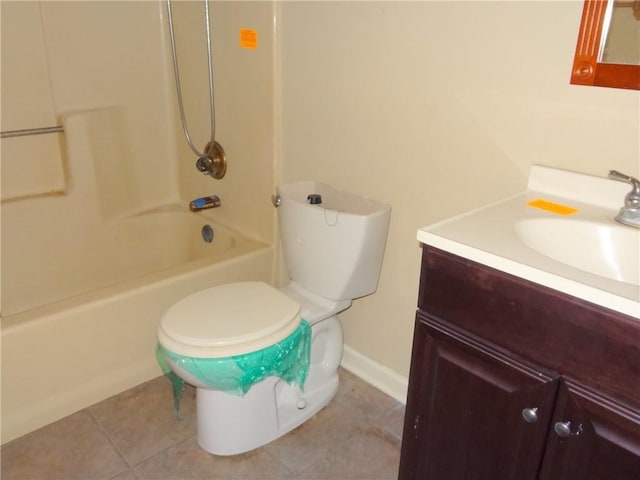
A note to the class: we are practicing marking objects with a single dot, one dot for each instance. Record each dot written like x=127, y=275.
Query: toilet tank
x=333, y=248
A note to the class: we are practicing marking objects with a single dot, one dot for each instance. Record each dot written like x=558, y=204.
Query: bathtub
x=83, y=327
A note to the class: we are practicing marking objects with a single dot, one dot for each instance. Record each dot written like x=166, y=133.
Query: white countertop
x=488, y=236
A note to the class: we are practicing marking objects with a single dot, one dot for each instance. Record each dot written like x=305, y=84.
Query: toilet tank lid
x=229, y=319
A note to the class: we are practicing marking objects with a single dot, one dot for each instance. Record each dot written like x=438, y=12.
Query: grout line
x=143, y=460
x=111, y=441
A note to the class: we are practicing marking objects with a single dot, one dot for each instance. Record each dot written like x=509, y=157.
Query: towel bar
x=31, y=131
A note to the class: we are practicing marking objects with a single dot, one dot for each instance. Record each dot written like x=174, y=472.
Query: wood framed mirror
x=588, y=66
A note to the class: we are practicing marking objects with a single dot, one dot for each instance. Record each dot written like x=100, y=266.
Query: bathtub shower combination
x=81, y=325
x=93, y=251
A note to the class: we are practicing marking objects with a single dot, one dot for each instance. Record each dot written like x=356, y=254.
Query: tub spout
x=202, y=203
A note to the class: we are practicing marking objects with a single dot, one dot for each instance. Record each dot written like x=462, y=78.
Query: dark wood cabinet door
x=464, y=417
x=591, y=438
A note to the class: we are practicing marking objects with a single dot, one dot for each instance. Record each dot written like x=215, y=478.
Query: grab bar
x=31, y=131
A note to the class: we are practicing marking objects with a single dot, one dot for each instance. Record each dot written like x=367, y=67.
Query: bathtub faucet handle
x=213, y=162
x=203, y=164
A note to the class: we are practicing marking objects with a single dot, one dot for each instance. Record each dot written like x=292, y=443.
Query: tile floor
x=135, y=435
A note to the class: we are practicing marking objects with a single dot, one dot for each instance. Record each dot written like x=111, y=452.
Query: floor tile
x=348, y=414
x=142, y=422
x=72, y=448
x=392, y=421
x=371, y=455
x=369, y=398
x=187, y=460
x=135, y=436
x=128, y=475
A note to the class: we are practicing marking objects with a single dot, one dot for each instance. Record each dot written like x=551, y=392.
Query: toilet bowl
x=238, y=408
x=264, y=360
x=218, y=339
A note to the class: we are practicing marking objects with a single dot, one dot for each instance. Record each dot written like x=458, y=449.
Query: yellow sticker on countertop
x=248, y=38
x=552, y=207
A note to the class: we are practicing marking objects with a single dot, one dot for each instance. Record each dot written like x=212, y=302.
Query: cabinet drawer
x=588, y=344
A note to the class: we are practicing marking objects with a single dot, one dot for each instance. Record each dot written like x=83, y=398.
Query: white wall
x=437, y=108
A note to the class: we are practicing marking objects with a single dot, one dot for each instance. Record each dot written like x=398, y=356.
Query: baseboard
x=381, y=377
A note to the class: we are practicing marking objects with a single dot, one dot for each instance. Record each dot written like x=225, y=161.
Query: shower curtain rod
x=31, y=131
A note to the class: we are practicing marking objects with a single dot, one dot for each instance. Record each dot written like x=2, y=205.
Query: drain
x=207, y=233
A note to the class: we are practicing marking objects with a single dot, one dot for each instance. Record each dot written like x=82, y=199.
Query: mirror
x=608, y=52
x=622, y=40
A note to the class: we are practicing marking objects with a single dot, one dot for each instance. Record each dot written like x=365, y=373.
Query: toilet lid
x=228, y=320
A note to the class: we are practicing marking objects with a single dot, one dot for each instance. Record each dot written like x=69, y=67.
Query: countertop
x=488, y=235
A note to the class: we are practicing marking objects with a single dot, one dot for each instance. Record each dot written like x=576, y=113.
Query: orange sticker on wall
x=248, y=38
x=552, y=207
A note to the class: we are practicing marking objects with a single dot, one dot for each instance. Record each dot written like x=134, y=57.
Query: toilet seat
x=227, y=320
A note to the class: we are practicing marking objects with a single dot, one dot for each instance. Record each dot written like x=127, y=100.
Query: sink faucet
x=630, y=213
x=202, y=203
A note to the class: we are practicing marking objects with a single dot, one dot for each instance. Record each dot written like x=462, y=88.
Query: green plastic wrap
x=287, y=359
x=177, y=383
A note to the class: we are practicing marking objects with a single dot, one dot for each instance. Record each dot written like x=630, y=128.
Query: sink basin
x=605, y=249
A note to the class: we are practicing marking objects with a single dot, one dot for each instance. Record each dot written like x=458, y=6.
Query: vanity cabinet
x=512, y=380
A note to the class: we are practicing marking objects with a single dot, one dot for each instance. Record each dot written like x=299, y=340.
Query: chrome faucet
x=630, y=213
x=202, y=203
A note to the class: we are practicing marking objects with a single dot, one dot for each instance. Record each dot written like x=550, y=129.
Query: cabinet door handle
x=563, y=429
x=530, y=415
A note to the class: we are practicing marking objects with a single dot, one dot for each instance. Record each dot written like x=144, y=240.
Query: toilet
x=265, y=360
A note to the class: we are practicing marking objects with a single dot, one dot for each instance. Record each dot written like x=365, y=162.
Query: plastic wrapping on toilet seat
x=177, y=383
x=287, y=359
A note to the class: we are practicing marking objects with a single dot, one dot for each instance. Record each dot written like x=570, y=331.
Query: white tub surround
x=62, y=357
